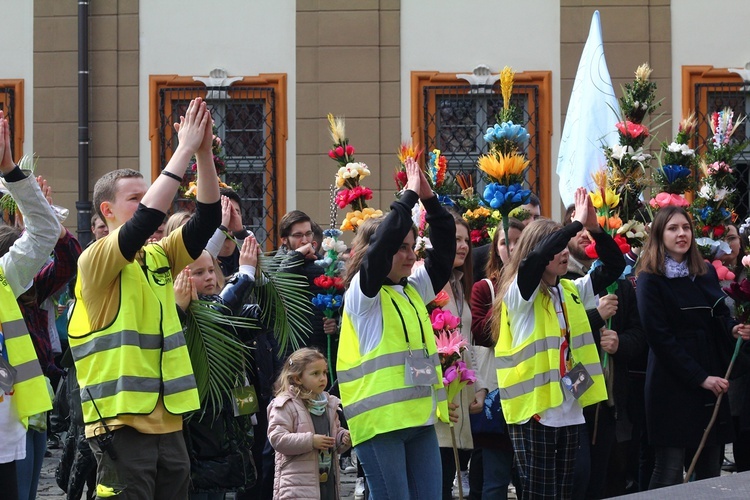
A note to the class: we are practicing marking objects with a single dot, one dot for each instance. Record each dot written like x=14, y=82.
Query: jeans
x=670, y=463
x=497, y=466
x=402, y=464
x=28, y=469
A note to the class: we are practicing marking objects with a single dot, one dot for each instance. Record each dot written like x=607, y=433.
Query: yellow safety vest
x=529, y=374
x=374, y=394
x=125, y=366
x=30, y=394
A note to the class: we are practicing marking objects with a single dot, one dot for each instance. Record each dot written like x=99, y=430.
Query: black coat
x=688, y=330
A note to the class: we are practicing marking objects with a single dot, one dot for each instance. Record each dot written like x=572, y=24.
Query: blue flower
x=505, y=197
x=332, y=233
x=507, y=131
x=706, y=213
x=675, y=172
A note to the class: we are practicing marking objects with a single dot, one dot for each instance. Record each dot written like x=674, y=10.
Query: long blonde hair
x=293, y=368
x=530, y=238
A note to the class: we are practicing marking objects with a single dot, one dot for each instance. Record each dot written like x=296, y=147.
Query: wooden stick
x=458, y=465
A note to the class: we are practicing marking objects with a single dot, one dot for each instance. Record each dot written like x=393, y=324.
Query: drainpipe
x=83, y=205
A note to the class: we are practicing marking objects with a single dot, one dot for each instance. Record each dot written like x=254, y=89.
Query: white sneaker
x=347, y=465
x=464, y=484
x=359, y=489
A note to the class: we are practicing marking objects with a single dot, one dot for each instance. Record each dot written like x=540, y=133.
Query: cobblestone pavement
x=48, y=488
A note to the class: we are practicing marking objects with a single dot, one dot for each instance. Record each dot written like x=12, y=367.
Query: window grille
x=245, y=124
x=456, y=118
x=711, y=97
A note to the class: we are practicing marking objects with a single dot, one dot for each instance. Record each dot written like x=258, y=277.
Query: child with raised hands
x=216, y=435
x=543, y=340
x=304, y=429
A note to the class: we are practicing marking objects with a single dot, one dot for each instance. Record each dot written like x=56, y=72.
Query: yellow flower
x=104, y=491
x=337, y=129
x=643, y=72
x=506, y=85
x=596, y=199
x=355, y=218
x=504, y=169
x=611, y=198
x=408, y=150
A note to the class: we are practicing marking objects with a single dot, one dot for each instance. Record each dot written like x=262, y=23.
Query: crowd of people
x=594, y=377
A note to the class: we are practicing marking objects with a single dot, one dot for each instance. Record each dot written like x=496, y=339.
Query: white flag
x=590, y=121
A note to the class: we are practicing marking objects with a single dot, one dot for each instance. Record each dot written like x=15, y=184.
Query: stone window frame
x=543, y=79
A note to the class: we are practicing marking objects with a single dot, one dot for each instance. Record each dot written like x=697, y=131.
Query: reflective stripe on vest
x=529, y=374
x=30, y=394
x=375, y=364
x=372, y=385
x=127, y=365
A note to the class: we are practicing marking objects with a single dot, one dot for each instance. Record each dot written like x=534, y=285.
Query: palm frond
x=285, y=301
x=217, y=355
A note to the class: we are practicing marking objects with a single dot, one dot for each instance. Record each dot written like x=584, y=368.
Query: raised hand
x=249, y=252
x=585, y=213
x=413, y=179
x=226, y=211
x=46, y=189
x=6, y=157
x=184, y=291
x=191, y=128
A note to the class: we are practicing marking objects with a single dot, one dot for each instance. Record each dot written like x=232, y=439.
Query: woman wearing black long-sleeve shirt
x=386, y=335
x=542, y=335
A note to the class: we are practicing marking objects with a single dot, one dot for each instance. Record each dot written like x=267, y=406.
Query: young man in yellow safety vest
x=133, y=367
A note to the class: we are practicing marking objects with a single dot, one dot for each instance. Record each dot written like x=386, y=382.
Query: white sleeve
x=365, y=315
x=30, y=252
x=586, y=292
x=214, y=245
x=422, y=282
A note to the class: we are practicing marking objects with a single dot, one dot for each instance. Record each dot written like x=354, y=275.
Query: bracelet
x=171, y=175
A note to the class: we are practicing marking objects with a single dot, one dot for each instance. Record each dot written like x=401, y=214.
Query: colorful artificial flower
x=440, y=300
x=504, y=169
x=610, y=200
x=632, y=130
x=662, y=200
x=442, y=319
x=450, y=343
x=355, y=218
x=352, y=196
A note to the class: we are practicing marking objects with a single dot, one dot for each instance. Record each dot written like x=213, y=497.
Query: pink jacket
x=290, y=431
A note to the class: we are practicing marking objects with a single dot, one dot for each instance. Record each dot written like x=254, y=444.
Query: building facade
x=273, y=69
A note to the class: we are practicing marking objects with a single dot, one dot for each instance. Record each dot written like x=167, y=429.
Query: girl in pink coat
x=304, y=429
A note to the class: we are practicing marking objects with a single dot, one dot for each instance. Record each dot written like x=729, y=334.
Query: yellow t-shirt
x=99, y=273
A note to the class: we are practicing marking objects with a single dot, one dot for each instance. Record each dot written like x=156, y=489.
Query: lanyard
x=403, y=324
x=564, y=362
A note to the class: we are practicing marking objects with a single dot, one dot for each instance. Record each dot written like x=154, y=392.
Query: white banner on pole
x=590, y=121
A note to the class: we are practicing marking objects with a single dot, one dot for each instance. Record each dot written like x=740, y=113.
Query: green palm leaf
x=285, y=301
x=217, y=355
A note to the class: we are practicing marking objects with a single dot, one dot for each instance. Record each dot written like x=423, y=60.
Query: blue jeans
x=402, y=464
x=497, y=466
x=28, y=469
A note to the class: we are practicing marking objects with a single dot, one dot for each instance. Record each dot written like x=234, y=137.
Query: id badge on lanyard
x=419, y=370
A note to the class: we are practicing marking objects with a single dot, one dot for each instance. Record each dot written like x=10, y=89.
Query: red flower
x=400, y=179
x=339, y=151
x=348, y=196
x=622, y=242
x=349, y=150
x=477, y=235
x=591, y=251
x=718, y=231
x=633, y=130
x=332, y=154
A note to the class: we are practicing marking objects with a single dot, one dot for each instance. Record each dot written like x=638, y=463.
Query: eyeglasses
x=299, y=236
